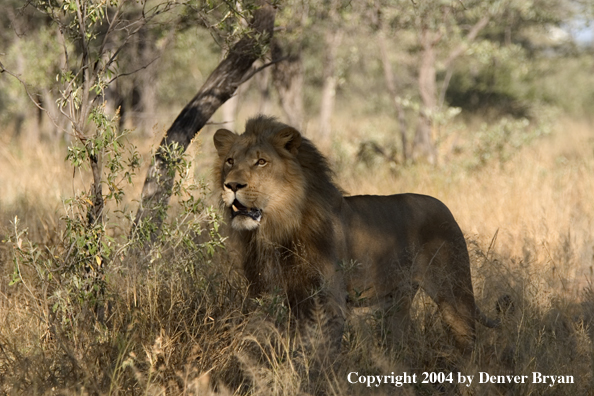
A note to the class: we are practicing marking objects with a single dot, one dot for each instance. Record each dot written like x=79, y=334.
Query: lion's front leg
x=320, y=323
x=326, y=317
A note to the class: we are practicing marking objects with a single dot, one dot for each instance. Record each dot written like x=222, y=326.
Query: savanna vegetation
x=116, y=277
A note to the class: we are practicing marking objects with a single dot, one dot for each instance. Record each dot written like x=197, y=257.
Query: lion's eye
x=261, y=162
x=230, y=161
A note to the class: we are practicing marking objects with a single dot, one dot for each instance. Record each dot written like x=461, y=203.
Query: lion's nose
x=233, y=186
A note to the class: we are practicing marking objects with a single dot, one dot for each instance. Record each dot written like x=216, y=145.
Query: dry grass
x=539, y=203
x=169, y=326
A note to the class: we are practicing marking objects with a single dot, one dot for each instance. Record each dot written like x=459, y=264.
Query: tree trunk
x=148, y=53
x=428, y=83
x=218, y=88
x=95, y=214
x=428, y=92
x=53, y=131
x=333, y=39
x=288, y=76
x=23, y=112
x=148, y=105
x=229, y=111
x=263, y=84
x=391, y=85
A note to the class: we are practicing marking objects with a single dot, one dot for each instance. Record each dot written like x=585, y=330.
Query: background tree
x=522, y=44
x=312, y=29
x=438, y=34
x=444, y=31
x=378, y=24
x=333, y=34
x=30, y=45
x=288, y=75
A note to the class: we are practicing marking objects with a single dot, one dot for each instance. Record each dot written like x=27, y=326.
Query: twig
x=491, y=245
x=217, y=123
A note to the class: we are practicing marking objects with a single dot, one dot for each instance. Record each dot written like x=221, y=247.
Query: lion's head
x=268, y=176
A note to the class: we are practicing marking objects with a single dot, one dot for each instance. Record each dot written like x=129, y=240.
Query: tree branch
x=30, y=95
x=459, y=50
x=463, y=46
x=133, y=71
x=254, y=71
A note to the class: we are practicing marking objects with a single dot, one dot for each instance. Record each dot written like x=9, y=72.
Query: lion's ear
x=289, y=139
x=223, y=139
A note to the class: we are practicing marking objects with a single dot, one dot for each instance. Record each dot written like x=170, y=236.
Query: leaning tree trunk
x=218, y=88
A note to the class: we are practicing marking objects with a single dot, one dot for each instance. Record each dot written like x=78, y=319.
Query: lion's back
x=401, y=215
x=386, y=235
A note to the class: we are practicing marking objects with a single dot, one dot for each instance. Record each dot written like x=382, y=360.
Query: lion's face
x=260, y=178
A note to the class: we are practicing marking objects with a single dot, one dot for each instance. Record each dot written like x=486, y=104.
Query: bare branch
x=253, y=71
x=109, y=28
x=133, y=71
x=146, y=19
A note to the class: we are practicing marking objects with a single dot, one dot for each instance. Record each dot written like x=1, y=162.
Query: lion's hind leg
x=460, y=322
x=446, y=279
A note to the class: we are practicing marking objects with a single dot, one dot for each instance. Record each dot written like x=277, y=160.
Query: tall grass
x=179, y=320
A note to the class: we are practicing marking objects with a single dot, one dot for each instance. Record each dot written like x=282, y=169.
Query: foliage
x=70, y=280
x=497, y=143
x=74, y=281
x=511, y=68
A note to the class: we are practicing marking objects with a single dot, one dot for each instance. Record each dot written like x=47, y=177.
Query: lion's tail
x=505, y=305
x=488, y=322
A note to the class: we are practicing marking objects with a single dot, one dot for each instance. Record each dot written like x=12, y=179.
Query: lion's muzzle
x=238, y=209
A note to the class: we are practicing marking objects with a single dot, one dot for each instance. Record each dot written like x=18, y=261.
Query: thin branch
x=81, y=11
x=134, y=71
x=146, y=19
x=63, y=40
x=109, y=28
x=254, y=71
x=30, y=95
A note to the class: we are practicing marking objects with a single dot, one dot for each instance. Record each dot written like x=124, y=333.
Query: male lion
x=299, y=233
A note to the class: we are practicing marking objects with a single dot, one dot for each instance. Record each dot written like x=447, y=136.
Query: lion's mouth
x=237, y=209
